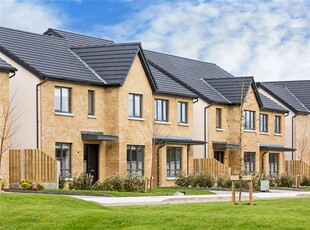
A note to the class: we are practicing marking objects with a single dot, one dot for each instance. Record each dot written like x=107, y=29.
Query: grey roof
x=97, y=136
x=268, y=147
x=177, y=140
x=270, y=105
x=77, y=39
x=234, y=90
x=293, y=94
x=6, y=66
x=45, y=56
x=189, y=73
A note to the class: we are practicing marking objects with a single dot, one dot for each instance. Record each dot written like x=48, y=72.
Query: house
x=226, y=104
x=98, y=106
x=294, y=96
x=6, y=72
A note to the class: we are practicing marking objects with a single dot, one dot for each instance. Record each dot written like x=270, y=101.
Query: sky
x=269, y=40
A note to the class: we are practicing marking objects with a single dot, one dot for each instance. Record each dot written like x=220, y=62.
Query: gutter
x=158, y=165
x=205, y=129
x=37, y=110
x=12, y=75
x=293, y=135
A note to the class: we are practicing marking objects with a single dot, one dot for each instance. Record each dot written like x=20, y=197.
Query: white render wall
x=23, y=87
x=198, y=123
x=288, y=124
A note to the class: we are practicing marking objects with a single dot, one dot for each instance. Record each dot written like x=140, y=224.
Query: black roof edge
x=180, y=82
x=84, y=82
x=274, y=110
x=260, y=85
x=10, y=69
x=52, y=31
x=22, y=63
x=158, y=92
x=260, y=103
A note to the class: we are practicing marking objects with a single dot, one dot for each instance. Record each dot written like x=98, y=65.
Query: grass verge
x=38, y=211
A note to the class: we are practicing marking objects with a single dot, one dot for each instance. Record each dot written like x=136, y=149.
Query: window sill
x=249, y=131
x=136, y=118
x=163, y=122
x=220, y=130
x=183, y=124
x=263, y=133
x=64, y=114
x=278, y=134
x=171, y=178
x=91, y=117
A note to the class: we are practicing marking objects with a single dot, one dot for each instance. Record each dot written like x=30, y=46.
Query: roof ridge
x=87, y=66
x=297, y=99
x=105, y=45
x=215, y=90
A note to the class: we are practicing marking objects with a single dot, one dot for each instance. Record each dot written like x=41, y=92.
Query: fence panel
x=297, y=168
x=210, y=165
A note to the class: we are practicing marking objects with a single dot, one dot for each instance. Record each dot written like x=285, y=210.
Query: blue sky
x=269, y=40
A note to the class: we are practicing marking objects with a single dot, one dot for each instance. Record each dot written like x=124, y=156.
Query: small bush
x=223, y=182
x=26, y=185
x=114, y=183
x=202, y=180
x=305, y=181
x=183, y=180
x=133, y=182
x=62, y=182
x=40, y=186
x=286, y=180
x=83, y=182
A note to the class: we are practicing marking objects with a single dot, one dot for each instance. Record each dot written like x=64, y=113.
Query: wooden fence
x=210, y=165
x=296, y=167
x=32, y=165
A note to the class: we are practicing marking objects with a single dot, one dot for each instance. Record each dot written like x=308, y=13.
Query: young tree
x=303, y=144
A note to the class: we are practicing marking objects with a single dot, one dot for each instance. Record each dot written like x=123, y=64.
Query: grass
x=155, y=192
x=38, y=211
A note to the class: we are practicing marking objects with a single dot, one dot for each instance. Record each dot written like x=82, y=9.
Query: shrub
x=305, y=181
x=83, y=182
x=184, y=181
x=202, y=180
x=223, y=182
x=62, y=182
x=26, y=185
x=286, y=180
x=114, y=183
x=40, y=186
x=133, y=182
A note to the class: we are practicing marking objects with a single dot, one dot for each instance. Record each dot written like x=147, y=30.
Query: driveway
x=218, y=197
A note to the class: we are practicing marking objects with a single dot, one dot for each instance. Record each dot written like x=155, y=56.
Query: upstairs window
x=62, y=99
x=91, y=102
x=161, y=110
x=182, y=112
x=135, y=105
x=263, y=123
x=249, y=120
x=218, y=118
x=277, y=125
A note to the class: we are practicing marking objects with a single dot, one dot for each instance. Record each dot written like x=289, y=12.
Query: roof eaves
x=260, y=103
x=297, y=99
x=87, y=66
x=229, y=102
x=159, y=92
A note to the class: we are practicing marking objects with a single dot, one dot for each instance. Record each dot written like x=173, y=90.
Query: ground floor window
x=273, y=164
x=63, y=154
x=135, y=159
x=249, y=162
x=173, y=161
x=219, y=155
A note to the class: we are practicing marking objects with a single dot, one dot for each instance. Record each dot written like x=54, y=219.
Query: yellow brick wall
x=4, y=102
x=302, y=138
x=230, y=133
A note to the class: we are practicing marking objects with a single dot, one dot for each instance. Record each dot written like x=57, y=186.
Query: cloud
x=267, y=39
x=33, y=16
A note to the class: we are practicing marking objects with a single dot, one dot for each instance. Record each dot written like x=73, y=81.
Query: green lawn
x=155, y=192
x=37, y=211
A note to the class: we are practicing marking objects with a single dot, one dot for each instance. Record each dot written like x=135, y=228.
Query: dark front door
x=219, y=155
x=91, y=160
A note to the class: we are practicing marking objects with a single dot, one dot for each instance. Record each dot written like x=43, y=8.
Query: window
x=62, y=99
x=161, y=110
x=273, y=163
x=218, y=118
x=219, y=156
x=263, y=123
x=277, y=125
x=63, y=154
x=91, y=102
x=249, y=120
x=135, y=159
x=249, y=162
x=173, y=161
x=135, y=105
x=182, y=108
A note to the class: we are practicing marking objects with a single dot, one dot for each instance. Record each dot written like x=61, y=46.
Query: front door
x=219, y=155
x=91, y=160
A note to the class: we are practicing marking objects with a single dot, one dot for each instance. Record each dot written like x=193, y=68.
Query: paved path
x=218, y=197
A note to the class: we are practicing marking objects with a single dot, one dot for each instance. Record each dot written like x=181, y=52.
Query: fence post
x=57, y=174
x=22, y=164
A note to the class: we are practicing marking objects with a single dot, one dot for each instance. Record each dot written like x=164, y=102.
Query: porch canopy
x=223, y=145
x=97, y=136
x=268, y=147
x=177, y=140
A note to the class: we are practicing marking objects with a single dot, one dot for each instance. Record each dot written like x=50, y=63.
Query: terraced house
x=294, y=96
x=98, y=106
